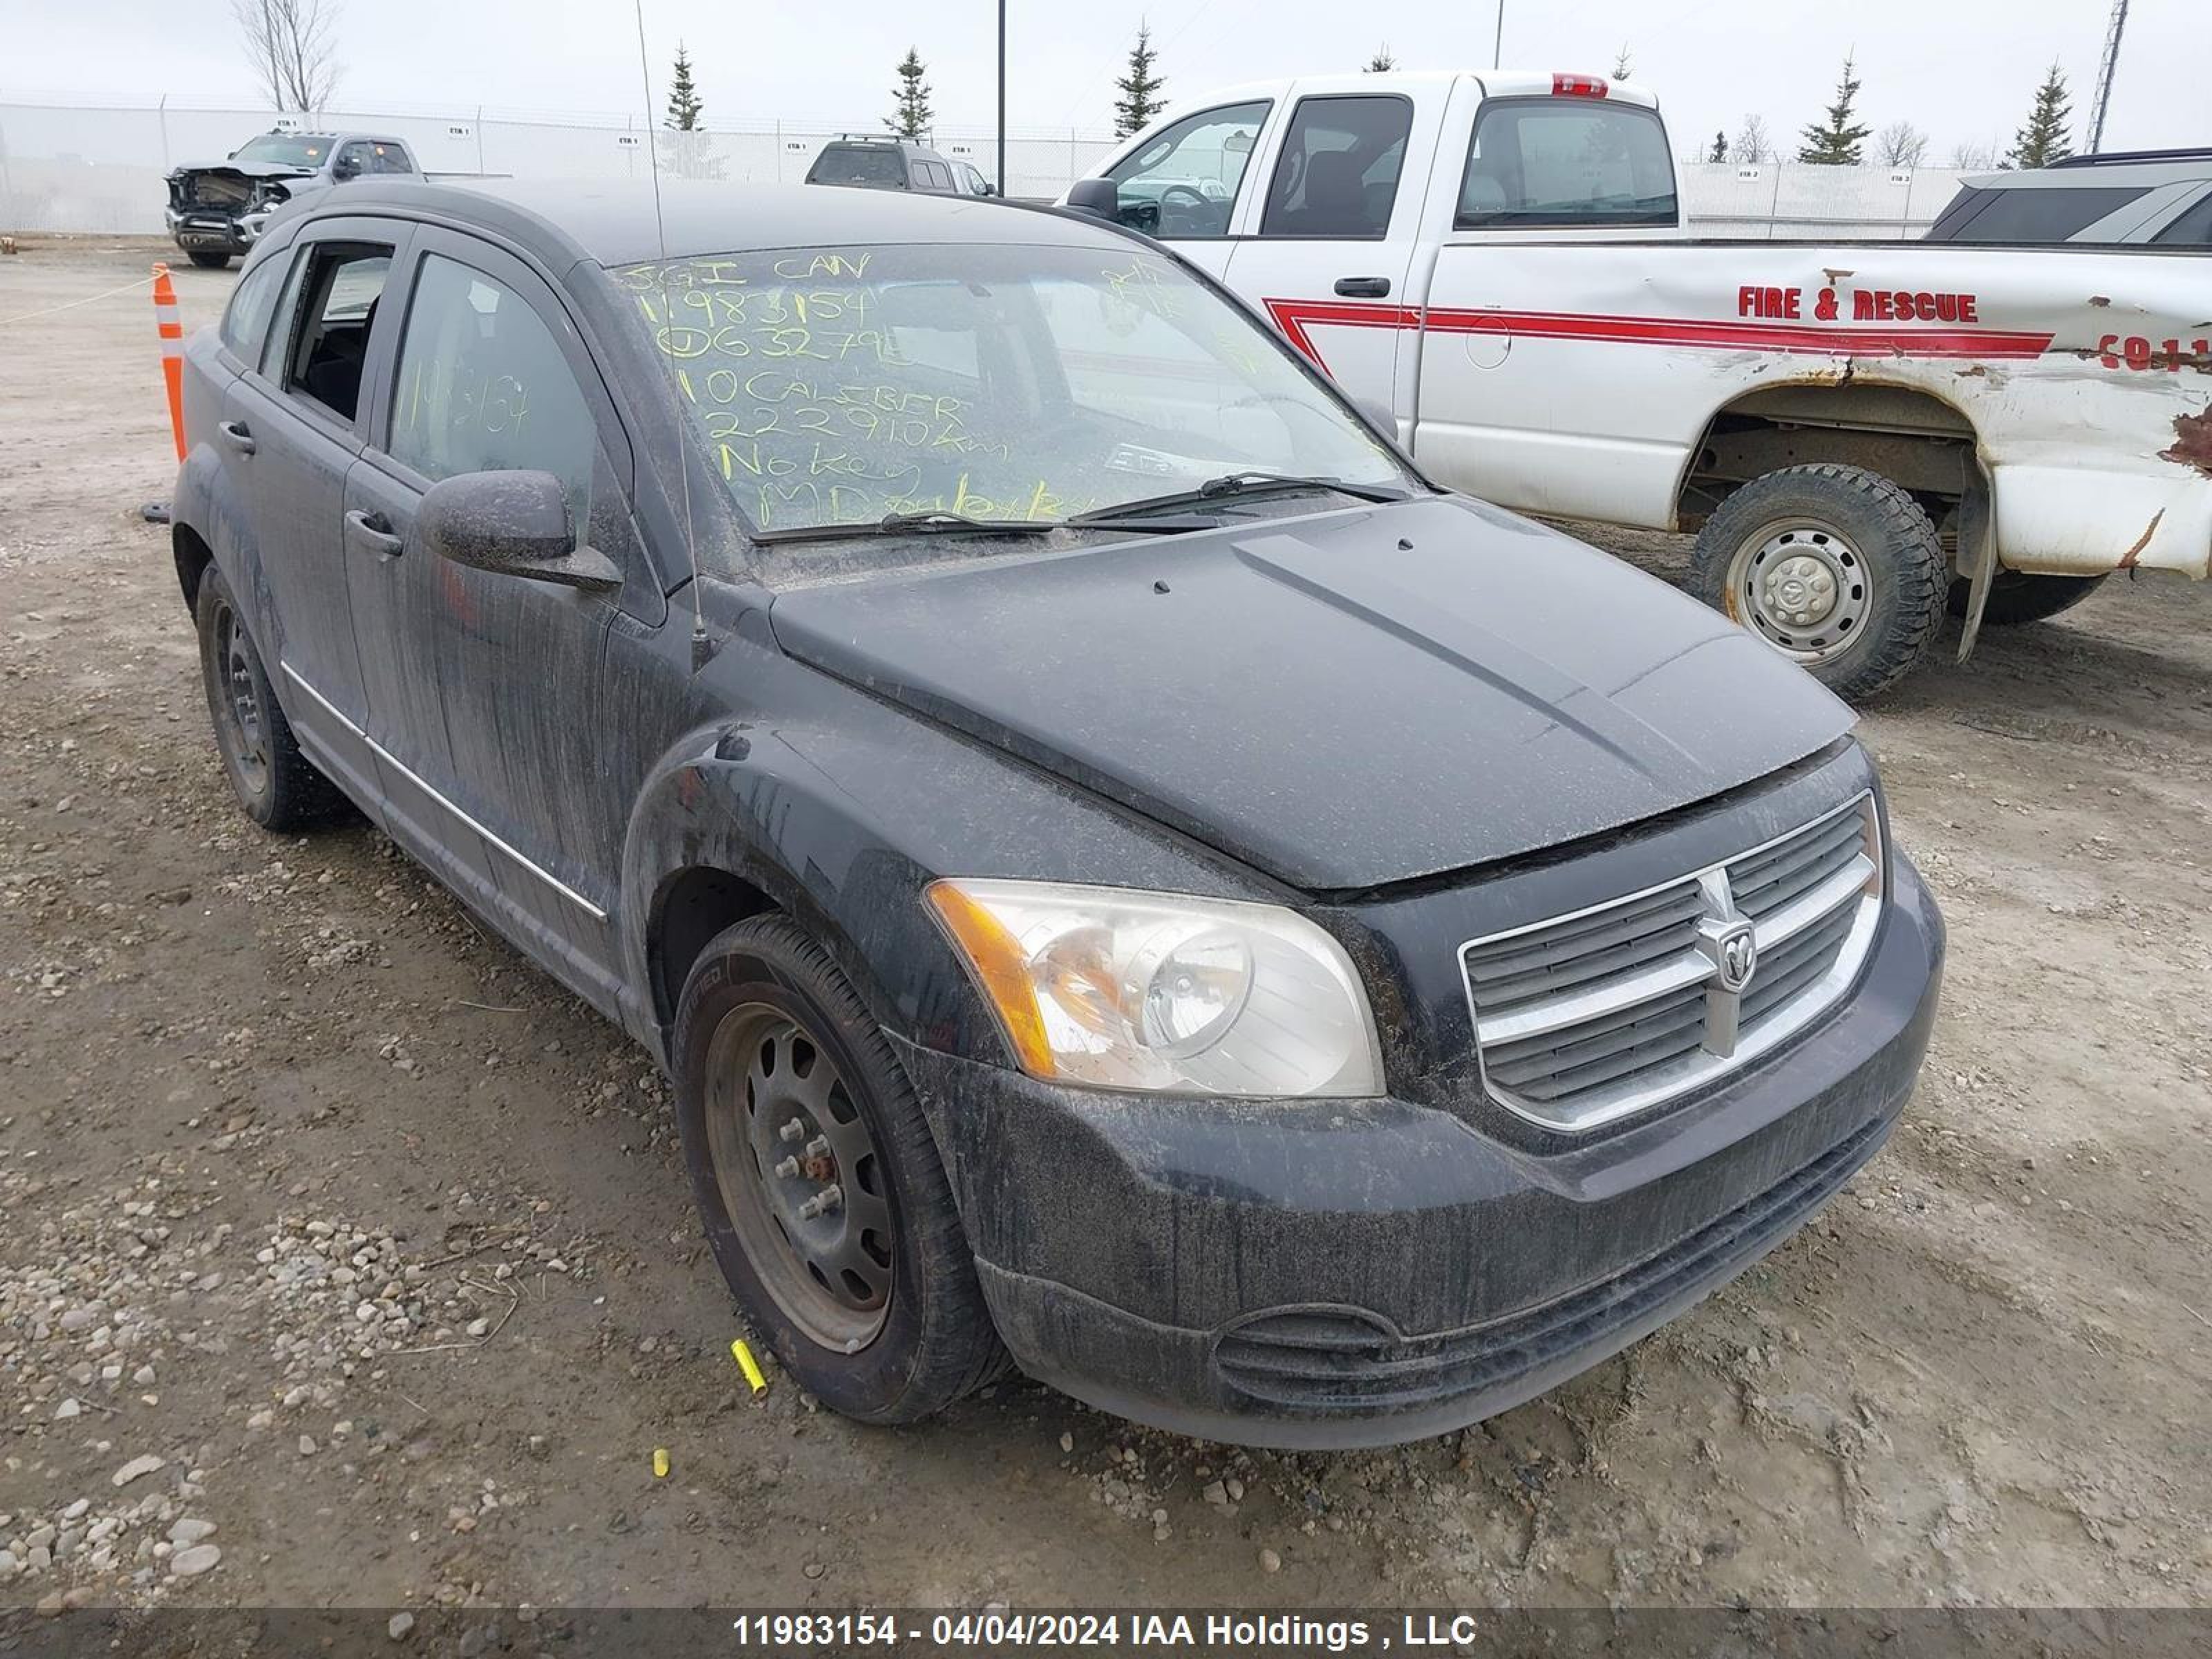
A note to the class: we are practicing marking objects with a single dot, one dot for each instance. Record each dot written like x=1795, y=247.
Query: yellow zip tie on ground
x=749, y=1365
x=660, y=1462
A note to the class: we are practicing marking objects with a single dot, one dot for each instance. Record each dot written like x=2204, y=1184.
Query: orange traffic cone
x=172, y=351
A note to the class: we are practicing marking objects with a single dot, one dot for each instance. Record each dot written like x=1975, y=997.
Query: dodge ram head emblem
x=1736, y=956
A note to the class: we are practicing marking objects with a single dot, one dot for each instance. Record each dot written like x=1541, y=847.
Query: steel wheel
x=799, y=1175
x=241, y=723
x=1802, y=587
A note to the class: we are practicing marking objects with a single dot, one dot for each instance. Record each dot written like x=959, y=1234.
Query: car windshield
x=842, y=385
x=285, y=149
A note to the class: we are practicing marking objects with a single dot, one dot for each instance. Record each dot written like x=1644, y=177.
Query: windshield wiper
x=1235, y=484
x=909, y=524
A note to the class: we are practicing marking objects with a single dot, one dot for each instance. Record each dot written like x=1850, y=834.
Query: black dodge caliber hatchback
x=1126, y=876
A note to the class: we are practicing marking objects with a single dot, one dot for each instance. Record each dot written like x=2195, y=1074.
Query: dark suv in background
x=2144, y=198
x=874, y=163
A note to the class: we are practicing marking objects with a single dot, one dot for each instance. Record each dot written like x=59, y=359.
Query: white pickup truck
x=1860, y=433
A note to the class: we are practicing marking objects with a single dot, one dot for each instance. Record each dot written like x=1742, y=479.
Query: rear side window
x=330, y=342
x=858, y=164
x=1184, y=182
x=2192, y=229
x=245, y=322
x=386, y=157
x=933, y=177
x=484, y=386
x=1337, y=173
x=2027, y=212
x=1566, y=161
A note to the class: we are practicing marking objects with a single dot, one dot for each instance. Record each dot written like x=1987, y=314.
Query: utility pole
x=1000, y=181
x=2104, y=69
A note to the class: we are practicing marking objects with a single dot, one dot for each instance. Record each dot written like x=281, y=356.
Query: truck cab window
x=342, y=286
x=1184, y=182
x=1338, y=174
x=483, y=387
x=1566, y=161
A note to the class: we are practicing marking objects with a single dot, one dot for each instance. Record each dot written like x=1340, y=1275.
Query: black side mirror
x=1100, y=197
x=513, y=523
x=344, y=168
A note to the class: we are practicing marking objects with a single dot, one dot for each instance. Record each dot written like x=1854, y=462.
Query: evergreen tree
x=910, y=113
x=1720, y=147
x=1382, y=62
x=1140, y=102
x=1620, y=65
x=1836, y=144
x=684, y=106
x=2043, y=140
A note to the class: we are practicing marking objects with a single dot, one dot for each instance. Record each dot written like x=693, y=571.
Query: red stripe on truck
x=1295, y=317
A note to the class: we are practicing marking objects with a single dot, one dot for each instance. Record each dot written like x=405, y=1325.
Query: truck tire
x=871, y=1304
x=207, y=261
x=1835, y=566
x=276, y=783
x=2017, y=597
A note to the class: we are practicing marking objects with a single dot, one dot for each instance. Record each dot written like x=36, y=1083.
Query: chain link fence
x=101, y=169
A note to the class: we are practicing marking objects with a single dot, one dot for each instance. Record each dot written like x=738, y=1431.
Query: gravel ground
x=345, y=1259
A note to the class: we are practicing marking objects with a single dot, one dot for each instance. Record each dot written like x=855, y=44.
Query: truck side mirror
x=512, y=524
x=1100, y=197
x=345, y=168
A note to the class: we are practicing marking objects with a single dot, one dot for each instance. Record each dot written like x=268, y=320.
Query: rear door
x=486, y=688
x=1330, y=255
x=291, y=428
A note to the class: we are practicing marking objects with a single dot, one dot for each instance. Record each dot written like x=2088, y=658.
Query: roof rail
x=2122, y=157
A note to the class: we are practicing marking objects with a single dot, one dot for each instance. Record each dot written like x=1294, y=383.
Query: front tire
x=1835, y=566
x=275, y=782
x=2016, y=596
x=819, y=1184
x=207, y=261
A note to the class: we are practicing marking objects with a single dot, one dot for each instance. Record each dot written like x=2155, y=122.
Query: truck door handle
x=374, y=532
x=1363, y=288
x=235, y=434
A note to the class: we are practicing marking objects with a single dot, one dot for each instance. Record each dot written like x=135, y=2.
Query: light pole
x=1001, y=180
x=1498, y=40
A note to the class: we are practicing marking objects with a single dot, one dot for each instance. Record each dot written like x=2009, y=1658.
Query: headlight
x=1120, y=989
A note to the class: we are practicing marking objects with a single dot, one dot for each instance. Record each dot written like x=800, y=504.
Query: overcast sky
x=1961, y=70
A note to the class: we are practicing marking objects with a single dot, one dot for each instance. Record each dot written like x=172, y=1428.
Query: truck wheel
x=819, y=1184
x=2017, y=597
x=207, y=261
x=277, y=784
x=1835, y=566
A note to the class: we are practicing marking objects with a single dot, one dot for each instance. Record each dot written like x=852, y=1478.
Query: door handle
x=1363, y=288
x=374, y=532
x=235, y=434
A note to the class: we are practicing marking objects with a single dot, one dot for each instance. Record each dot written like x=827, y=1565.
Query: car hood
x=245, y=169
x=1340, y=701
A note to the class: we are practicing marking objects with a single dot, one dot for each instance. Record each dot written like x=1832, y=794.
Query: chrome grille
x=1587, y=1017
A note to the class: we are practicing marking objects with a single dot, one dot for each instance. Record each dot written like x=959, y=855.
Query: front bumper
x=1335, y=1274
x=214, y=233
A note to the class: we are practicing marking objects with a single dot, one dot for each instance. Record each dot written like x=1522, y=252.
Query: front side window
x=1338, y=174
x=245, y=322
x=484, y=386
x=1184, y=182
x=342, y=285
x=841, y=385
x=1566, y=161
